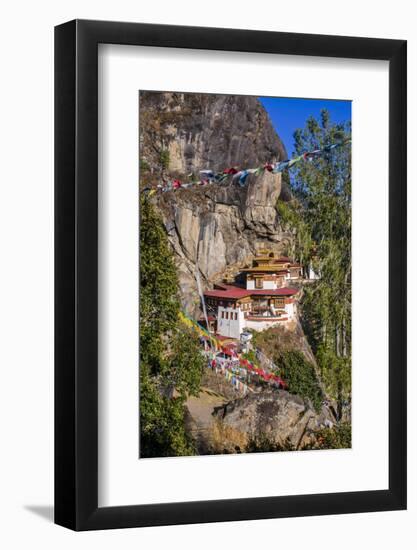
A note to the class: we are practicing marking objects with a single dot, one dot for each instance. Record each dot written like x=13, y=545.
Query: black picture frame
x=76, y=272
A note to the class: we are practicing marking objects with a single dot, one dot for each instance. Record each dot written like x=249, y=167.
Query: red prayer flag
x=231, y=171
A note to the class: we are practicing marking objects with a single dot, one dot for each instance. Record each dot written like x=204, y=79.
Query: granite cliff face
x=205, y=131
x=217, y=228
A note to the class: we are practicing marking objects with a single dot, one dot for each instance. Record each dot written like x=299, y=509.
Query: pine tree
x=320, y=218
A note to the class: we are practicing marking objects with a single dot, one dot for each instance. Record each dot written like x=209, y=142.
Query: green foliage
x=338, y=437
x=336, y=372
x=159, y=302
x=143, y=165
x=171, y=364
x=320, y=218
x=162, y=429
x=300, y=376
x=185, y=367
x=261, y=443
x=164, y=158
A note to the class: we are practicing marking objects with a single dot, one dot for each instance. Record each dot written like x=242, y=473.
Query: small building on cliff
x=265, y=301
x=271, y=272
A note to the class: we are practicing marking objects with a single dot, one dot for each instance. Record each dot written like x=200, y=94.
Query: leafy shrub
x=263, y=444
x=143, y=165
x=164, y=158
x=338, y=437
x=300, y=376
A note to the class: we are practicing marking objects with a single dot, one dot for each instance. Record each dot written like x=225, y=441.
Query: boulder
x=276, y=414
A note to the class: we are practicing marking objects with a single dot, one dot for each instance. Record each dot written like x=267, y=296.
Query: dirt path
x=201, y=416
x=202, y=407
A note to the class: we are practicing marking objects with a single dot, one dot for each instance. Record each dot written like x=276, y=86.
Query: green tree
x=159, y=301
x=320, y=218
x=171, y=364
x=300, y=376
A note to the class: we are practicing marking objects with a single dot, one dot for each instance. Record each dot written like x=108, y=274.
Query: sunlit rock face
x=216, y=228
x=280, y=416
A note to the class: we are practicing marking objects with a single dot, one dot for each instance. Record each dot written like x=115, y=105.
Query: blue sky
x=287, y=114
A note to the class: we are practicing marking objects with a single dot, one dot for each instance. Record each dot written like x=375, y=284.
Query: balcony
x=265, y=313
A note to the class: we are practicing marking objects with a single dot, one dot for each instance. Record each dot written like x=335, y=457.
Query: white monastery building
x=264, y=302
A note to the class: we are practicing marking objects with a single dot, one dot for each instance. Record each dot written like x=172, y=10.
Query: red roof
x=225, y=286
x=234, y=293
x=220, y=286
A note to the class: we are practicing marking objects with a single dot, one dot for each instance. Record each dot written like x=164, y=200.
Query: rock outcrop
x=216, y=228
x=277, y=415
x=201, y=131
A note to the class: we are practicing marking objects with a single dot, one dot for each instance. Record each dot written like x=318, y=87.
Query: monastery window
x=258, y=283
x=222, y=314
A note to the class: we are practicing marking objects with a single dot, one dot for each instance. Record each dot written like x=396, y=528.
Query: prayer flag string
x=240, y=177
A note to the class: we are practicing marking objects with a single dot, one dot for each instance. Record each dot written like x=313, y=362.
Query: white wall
x=262, y=325
x=266, y=285
x=230, y=327
x=312, y=274
x=26, y=401
x=289, y=308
